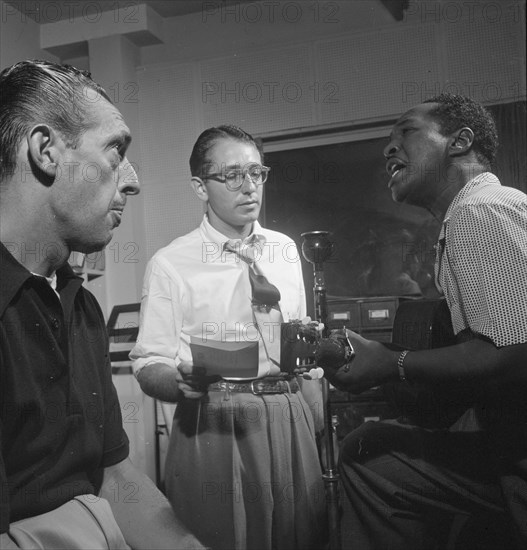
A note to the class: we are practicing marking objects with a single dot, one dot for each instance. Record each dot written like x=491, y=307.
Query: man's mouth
x=393, y=167
x=118, y=214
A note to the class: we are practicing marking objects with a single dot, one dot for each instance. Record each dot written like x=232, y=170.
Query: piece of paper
x=226, y=359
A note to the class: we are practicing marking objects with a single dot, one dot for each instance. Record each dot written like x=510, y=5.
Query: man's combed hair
x=40, y=92
x=207, y=139
x=456, y=111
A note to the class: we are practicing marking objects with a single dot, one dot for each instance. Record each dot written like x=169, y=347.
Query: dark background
x=381, y=248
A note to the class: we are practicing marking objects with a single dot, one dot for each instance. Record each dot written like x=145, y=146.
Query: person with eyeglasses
x=242, y=469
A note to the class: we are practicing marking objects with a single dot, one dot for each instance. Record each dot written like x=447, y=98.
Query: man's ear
x=199, y=188
x=462, y=141
x=42, y=149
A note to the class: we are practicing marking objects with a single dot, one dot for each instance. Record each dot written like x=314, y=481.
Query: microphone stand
x=316, y=249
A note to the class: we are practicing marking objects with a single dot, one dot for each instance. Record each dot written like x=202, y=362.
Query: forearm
x=143, y=514
x=473, y=362
x=477, y=360
x=159, y=381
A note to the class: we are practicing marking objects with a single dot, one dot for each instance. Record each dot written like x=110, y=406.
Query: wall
x=348, y=68
x=19, y=37
x=275, y=68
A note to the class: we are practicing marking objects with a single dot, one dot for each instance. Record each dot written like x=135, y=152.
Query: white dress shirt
x=192, y=287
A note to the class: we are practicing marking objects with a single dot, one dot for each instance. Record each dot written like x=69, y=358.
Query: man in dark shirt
x=65, y=477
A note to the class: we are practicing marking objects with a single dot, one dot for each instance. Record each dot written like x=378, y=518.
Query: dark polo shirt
x=60, y=419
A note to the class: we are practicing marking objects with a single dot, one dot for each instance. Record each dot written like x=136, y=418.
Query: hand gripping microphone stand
x=316, y=249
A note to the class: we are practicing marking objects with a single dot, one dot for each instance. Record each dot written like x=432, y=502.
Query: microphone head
x=317, y=248
x=331, y=352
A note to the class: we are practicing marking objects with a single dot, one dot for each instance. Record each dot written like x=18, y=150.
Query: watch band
x=400, y=365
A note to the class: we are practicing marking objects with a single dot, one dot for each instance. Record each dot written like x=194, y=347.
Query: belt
x=267, y=385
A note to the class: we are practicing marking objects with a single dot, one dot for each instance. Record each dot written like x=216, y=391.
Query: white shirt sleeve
x=161, y=317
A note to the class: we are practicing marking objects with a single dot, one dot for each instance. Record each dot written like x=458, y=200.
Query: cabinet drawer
x=344, y=313
x=377, y=314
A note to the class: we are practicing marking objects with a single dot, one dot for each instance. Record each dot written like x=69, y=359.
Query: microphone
x=333, y=352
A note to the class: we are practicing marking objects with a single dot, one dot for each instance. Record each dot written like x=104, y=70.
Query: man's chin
x=400, y=192
x=397, y=196
x=92, y=247
x=253, y=216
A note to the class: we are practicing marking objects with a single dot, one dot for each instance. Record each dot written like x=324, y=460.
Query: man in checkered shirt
x=416, y=487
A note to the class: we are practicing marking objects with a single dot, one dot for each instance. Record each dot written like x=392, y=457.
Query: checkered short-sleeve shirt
x=481, y=263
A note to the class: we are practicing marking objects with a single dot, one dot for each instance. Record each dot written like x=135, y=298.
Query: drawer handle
x=378, y=314
x=341, y=316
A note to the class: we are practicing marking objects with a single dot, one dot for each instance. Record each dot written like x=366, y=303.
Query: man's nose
x=128, y=180
x=390, y=149
x=248, y=185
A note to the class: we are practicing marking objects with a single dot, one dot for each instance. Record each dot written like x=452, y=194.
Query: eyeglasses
x=234, y=178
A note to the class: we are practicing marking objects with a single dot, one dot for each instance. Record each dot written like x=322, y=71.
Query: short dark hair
x=36, y=91
x=207, y=139
x=456, y=111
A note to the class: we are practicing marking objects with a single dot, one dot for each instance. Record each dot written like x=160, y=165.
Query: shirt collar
x=473, y=185
x=212, y=235
x=14, y=275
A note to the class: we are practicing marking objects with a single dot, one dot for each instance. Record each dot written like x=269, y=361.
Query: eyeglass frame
x=221, y=177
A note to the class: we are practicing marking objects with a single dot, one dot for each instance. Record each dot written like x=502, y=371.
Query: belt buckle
x=226, y=388
x=254, y=391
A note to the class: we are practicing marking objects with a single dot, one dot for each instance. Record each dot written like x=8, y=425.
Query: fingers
x=191, y=390
x=190, y=393
x=193, y=381
x=338, y=376
x=185, y=367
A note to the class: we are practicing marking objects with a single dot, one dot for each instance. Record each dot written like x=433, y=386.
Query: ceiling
x=49, y=11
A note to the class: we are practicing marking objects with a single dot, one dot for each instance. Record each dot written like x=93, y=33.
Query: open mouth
x=393, y=167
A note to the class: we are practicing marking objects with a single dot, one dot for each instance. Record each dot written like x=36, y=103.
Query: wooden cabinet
x=371, y=317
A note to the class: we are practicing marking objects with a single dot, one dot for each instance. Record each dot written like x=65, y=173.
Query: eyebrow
x=403, y=120
x=122, y=137
x=234, y=166
x=242, y=165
